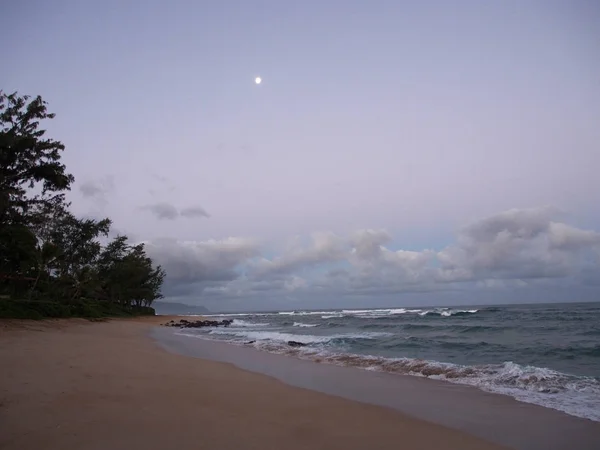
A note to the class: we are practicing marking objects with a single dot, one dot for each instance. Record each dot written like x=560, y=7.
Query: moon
x=258, y=80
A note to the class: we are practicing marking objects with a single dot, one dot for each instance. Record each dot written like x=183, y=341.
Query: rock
x=249, y=342
x=184, y=323
x=296, y=344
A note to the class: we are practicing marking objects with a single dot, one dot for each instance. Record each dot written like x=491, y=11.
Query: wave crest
x=304, y=325
x=278, y=337
x=238, y=323
x=445, y=312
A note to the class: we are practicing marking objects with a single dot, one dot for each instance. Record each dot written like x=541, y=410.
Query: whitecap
x=446, y=312
x=281, y=337
x=238, y=323
x=305, y=325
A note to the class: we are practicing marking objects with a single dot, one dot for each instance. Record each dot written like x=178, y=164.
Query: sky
x=395, y=153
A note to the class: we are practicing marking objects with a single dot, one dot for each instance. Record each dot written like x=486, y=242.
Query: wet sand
x=81, y=385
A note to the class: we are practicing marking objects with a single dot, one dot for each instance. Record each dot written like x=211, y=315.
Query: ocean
x=545, y=354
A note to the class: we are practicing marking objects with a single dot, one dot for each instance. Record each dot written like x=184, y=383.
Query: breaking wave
x=445, y=312
x=281, y=337
x=362, y=313
x=238, y=323
x=305, y=325
x=577, y=396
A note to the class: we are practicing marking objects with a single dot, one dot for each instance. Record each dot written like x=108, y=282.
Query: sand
x=75, y=384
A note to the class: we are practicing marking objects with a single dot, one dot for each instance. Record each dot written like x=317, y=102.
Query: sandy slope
x=81, y=385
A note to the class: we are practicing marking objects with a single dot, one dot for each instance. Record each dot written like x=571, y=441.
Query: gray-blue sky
x=418, y=118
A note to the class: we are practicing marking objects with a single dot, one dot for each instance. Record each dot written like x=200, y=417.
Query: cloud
x=165, y=210
x=203, y=262
x=295, y=283
x=565, y=237
x=90, y=189
x=517, y=244
x=98, y=189
x=324, y=247
x=368, y=243
x=511, y=249
x=521, y=223
x=194, y=211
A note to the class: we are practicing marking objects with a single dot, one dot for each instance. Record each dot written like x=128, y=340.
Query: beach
x=493, y=417
x=76, y=384
x=543, y=354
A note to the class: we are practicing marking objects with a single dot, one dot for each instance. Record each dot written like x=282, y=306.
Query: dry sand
x=106, y=385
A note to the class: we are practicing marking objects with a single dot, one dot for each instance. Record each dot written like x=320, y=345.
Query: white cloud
x=510, y=249
x=516, y=244
x=565, y=237
x=367, y=244
x=324, y=248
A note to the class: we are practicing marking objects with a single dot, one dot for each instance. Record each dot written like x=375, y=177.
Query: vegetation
x=52, y=263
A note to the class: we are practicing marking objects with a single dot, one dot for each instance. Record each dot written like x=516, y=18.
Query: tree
x=17, y=257
x=27, y=159
x=128, y=275
x=143, y=280
x=78, y=239
x=47, y=254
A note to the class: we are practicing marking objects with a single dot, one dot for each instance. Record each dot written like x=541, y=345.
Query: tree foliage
x=47, y=254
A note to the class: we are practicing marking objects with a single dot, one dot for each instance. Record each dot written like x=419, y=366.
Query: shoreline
x=90, y=385
x=495, y=417
x=543, y=354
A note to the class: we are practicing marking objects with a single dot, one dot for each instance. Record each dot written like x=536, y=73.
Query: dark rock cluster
x=183, y=323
